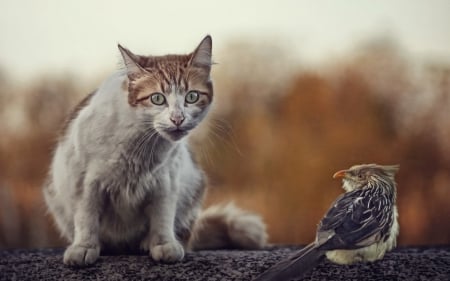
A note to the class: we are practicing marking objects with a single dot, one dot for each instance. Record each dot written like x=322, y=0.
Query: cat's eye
x=192, y=97
x=157, y=98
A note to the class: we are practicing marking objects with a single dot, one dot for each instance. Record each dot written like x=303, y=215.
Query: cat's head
x=172, y=93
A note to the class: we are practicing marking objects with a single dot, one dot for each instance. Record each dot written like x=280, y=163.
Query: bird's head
x=359, y=176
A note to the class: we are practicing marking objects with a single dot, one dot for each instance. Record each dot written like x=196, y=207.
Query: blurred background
x=302, y=89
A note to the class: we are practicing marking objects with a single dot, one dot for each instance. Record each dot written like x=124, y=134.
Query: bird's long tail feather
x=295, y=266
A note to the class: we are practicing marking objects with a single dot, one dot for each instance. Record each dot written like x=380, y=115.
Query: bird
x=360, y=226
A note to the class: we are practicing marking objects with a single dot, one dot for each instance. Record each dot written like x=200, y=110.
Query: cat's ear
x=201, y=57
x=130, y=61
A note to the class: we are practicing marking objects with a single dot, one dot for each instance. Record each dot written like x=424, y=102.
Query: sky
x=57, y=36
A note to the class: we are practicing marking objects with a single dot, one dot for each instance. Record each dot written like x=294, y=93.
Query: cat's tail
x=228, y=227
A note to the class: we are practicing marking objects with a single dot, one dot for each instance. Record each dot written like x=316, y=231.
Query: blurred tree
x=292, y=142
x=274, y=138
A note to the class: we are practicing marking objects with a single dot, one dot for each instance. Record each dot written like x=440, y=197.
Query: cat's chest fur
x=127, y=160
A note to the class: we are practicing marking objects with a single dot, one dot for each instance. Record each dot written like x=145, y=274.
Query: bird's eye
x=192, y=97
x=157, y=98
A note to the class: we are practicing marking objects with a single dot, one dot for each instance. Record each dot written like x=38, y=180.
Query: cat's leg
x=85, y=247
x=184, y=223
x=188, y=209
x=161, y=241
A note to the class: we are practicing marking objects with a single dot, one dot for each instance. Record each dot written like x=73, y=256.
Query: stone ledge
x=406, y=263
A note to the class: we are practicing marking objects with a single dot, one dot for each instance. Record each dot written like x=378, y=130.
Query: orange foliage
x=274, y=139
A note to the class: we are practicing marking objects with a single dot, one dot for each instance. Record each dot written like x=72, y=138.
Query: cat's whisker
x=229, y=138
x=205, y=151
x=153, y=146
x=141, y=143
x=144, y=144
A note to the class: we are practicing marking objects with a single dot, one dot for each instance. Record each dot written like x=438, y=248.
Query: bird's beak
x=340, y=174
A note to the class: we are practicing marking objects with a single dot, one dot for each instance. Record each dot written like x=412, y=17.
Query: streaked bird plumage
x=361, y=225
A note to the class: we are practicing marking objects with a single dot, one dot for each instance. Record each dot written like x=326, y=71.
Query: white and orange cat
x=123, y=178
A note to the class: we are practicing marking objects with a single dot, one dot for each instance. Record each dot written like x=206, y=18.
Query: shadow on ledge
x=412, y=263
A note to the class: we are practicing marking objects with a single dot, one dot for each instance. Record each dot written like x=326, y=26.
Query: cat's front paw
x=168, y=252
x=80, y=255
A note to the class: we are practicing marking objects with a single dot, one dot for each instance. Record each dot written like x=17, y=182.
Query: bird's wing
x=356, y=219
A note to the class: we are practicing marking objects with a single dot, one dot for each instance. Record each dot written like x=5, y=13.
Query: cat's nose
x=177, y=120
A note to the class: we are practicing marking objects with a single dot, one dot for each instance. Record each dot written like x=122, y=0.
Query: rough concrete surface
x=407, y=263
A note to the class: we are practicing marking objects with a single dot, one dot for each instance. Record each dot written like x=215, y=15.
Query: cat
x=123, y=178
